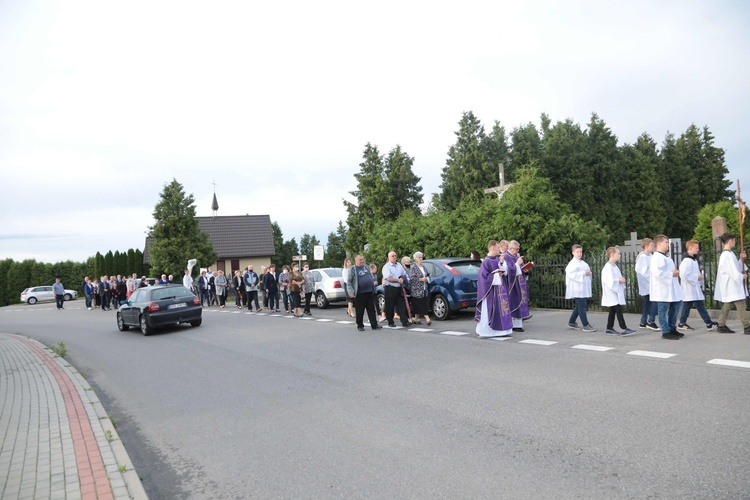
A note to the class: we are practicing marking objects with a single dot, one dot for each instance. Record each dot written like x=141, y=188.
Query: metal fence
x=547, y=279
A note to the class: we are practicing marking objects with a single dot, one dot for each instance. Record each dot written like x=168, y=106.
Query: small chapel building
x=239, y=241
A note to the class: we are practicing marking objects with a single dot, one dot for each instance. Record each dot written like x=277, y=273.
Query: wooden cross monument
x=502, y=187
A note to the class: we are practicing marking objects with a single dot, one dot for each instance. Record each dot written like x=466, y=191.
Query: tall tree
x=290, y=250
x=335, y=252
x=606, y=164
x=307, y=245
x=566, y=163
x=141, y=270
x=370, y=193
x=131, y=262
x=642, y=187
x=707, y=164
x=525, y=149
x=109, y=263
x=468, y=171
x=401, y=185
x=116, y=268
x=98, y=266
x=497, y=151
x=177, y=236
x=681, y=191
x=278, y=243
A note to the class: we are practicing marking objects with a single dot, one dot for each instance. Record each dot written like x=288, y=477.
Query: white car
x=41, y=293
x=329, y=286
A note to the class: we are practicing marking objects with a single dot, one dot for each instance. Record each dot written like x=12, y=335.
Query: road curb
x=124, y=484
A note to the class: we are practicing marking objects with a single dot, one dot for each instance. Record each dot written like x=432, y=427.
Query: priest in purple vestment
x=518, y=290
x=493, y=308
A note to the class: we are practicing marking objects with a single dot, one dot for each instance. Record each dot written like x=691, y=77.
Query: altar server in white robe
x=613, y=293
x=691, y=279
x=730, y=286
x=665, y=289
x=643, y=272
x=578, y=288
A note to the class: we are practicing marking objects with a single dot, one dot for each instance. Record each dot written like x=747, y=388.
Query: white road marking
x=729, y=362
x=345, y=322
x=652, y=354
x=277, y=315
x=599, y=348
x=306, y=317
x=451, y=332
x=324, y=320
x=507, y=337
x=261, y=314
x=537, y=342
x=236, y=312
x=248, y=313
x=398, y=327
x=420, y=329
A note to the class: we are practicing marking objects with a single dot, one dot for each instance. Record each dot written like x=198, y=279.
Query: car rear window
x=334, y=273
x=170, y=292
x=467, y=268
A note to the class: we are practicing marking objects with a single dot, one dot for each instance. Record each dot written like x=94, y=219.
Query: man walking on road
x=59, y=290
x=394, y=276
x=361, y=286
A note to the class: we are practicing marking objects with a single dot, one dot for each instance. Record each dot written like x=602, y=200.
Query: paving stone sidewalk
x=56, y=440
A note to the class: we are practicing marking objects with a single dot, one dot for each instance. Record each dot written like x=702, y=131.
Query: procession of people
x=668, y=292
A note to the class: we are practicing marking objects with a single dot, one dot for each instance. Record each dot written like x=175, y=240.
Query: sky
x=103, y=103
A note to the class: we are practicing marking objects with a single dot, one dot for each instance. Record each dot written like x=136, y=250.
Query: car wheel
x=31, y=300
x=440, y=307
x=145, y=329
x=381, y=301
x=121, y=324
x=68, y=296
x=197, y=322
x=321, y=300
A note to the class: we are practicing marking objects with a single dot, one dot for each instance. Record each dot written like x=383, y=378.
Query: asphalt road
x=250, y=406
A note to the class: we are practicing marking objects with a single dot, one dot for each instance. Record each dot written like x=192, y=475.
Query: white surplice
x=729, y=285
x=664, y=287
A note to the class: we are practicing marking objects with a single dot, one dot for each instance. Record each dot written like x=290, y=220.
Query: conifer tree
x=681, y=192
x=566, y=163
x=606, y=165
x=525, y=149
x=361, y=216
x=642, y=188
x=467, y=172
x=401, y=186
x=706, y=161
x=177, y=236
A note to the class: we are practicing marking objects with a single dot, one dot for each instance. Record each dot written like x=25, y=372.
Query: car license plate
x=177, y=306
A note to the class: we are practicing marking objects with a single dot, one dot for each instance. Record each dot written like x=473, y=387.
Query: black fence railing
x=547, y=279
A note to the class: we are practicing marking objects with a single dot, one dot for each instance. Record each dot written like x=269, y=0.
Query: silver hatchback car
x=43, y=293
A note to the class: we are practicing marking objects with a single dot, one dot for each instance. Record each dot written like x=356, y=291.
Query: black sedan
x=154, y=306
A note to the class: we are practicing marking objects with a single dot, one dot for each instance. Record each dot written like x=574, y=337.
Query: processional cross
x=502, y=187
